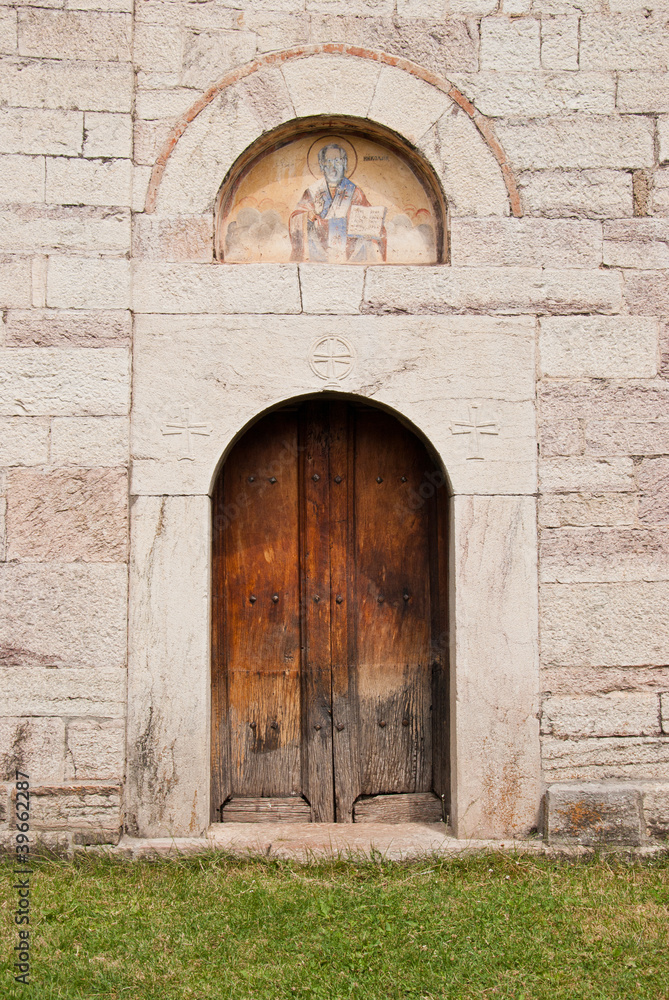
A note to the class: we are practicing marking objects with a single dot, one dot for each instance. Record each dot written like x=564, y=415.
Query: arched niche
x=331, y=190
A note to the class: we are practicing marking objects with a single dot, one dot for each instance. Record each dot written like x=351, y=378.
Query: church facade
x=335, y=416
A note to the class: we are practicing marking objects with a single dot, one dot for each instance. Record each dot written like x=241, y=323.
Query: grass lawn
x=493, y=925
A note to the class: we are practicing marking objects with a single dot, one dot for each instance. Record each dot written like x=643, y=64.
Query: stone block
x=652, y=475
x=586, y=510
x=58, y=133
x=168, y=748
x=267, y=97
x=8, y=31
x=603, y=758
x=322, y=83
x=92, y=182
x=642, y=93
x=627, y=437
x=647, y=292
x=38, y=270
x=15, y=283
x=75, y=34
x=331, y=289
x=664, y=712
x=95, y=749
x=362, y=8
x=53, y=229
x=606, y=555
x=560, y=437
x=22, y=178
x=406, y=104
x=54, y=382
x=496, y=766
x=275, y=30
x=559, y=42
x=593, y=814
x=68, y=84
x=581, y=194
x=140, y=182
x=535, y=95
x=107, y=135
x=24, y=441
x=622, y=142
x=604, y=400
x=437, y=371
x=469, y=173
x=208, y=55
x=610, y=624
x=63, y=691
x=660, y=193
x=67, y=515
x=663, y=138
x=185, y=238
x=168, y=102
x=216, y=288
x=604, y=680
x=628, y=41
x=579, y=474
x=148, y=139
x=80, y=809
x=33, y=745
x=600, y=715
x=67, y=616
x=88, y=283
x=3, y=508
x=526, y=242
x=210, y=15
x=655, y=800
x=490, y=289
x=59, y=328
x=90, y=441
x=598, y=346
x=639, y=243
x=509, y=45
x=157, y=47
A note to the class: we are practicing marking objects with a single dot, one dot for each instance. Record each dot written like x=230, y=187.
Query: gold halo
x=331, y=140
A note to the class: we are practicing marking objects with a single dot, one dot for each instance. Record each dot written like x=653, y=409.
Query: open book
x=366, y=222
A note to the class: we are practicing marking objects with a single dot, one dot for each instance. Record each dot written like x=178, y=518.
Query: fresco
x=329, y=199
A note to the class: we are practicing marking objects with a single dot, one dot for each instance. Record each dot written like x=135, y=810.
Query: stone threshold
x=318, y=841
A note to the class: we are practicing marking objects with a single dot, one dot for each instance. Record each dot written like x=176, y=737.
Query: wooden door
x=329, y=672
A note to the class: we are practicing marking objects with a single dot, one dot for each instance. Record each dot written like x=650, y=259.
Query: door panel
x=329, y=673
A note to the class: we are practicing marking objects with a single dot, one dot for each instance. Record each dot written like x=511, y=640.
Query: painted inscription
x=329, y=199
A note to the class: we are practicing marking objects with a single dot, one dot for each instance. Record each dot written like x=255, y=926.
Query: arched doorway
x=330, y=649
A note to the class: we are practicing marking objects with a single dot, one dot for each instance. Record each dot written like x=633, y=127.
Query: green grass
x=493, y=925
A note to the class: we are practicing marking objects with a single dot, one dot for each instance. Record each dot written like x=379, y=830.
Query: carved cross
x=187, y=428
x=472, y=426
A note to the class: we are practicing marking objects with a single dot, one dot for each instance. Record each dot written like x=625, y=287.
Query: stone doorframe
x=216, y=345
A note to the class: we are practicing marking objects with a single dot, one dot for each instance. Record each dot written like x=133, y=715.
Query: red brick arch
x=482, y=123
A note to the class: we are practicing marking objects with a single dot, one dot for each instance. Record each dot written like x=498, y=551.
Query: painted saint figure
x=320, y=225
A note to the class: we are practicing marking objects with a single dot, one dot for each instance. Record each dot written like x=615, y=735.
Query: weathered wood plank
x=266, y=810
x=315, y=561
x=416, y=807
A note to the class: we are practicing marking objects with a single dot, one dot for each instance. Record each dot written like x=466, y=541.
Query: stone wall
x=561, y=219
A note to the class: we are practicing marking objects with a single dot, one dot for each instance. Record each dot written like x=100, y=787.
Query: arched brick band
x=483, y=124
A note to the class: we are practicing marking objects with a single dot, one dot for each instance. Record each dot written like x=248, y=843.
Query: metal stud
x=252, y=479
x=404, y=479
x=252, y=599
x=405, y=722
x=272, y=480
x=339, y=726
x=274, y=725
x=317, y=726
x=379, y=479
x=252, y=725
x=382, y=724
x=316, y=598
x=337, y=479
x=380, y=598
x=339, y=598
x=275, y=597
x=315, y=477
x=405, y=595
